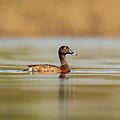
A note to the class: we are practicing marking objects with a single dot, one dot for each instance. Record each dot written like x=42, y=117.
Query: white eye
x=65, y=48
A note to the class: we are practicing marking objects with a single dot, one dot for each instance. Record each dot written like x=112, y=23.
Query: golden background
x=59, y=17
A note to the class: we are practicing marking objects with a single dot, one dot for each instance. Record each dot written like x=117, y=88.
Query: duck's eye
x=65, y=48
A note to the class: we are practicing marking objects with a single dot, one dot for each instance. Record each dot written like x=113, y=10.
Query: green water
x=90, y=92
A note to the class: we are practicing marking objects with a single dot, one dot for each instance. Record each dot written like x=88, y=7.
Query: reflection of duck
x=47, y=68
x=63, y=76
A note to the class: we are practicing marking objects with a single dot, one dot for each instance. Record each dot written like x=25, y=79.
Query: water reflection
x=63, y=97
x=63, y=76
x=89, y=92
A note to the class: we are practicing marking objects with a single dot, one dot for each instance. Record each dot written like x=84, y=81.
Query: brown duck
x=47, y=68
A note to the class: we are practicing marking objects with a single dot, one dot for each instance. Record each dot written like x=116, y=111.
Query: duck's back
x=44, y=68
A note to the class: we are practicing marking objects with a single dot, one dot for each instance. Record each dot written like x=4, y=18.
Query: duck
x=47, y=68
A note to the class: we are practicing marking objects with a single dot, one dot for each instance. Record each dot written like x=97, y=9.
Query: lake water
x=90, y=92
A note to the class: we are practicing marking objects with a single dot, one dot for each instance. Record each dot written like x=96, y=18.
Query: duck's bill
x=72, y=53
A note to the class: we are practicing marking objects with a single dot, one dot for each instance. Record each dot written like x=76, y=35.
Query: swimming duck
x=47, y=68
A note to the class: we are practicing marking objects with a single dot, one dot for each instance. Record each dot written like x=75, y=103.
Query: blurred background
x=59, y=18
x=31, y=32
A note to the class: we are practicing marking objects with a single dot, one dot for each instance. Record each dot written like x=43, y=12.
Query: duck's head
x=64, y=50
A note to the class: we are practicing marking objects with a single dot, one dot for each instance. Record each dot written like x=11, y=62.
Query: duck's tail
x=25, y=69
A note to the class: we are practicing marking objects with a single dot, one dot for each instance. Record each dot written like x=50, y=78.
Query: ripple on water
x=75, y=71
x=76, y=76
x=90, y=91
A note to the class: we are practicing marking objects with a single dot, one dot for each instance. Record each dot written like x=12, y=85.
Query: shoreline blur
x=59, y=18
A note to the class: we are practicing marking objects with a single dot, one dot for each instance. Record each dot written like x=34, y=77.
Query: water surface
x=90, y=92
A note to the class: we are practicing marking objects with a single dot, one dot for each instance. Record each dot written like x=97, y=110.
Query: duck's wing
x=43, y=68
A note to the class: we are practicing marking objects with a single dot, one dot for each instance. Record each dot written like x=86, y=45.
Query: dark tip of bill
x=74, y=53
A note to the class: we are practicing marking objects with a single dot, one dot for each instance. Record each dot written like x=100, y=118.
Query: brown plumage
x=47, y=68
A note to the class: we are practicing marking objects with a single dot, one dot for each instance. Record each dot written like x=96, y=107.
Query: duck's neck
x=63, y=62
